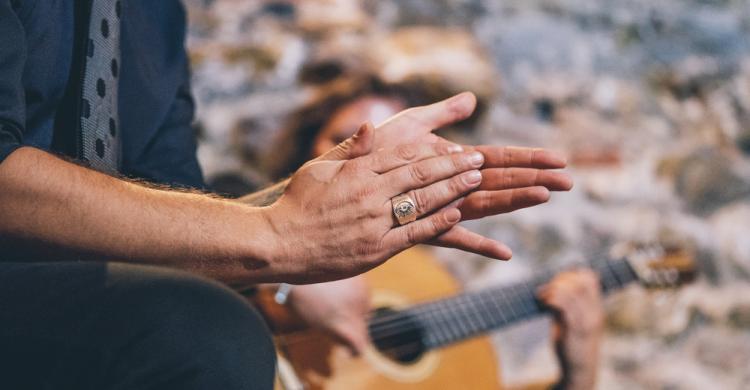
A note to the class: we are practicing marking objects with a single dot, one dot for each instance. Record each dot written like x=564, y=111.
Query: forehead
x=369, y=108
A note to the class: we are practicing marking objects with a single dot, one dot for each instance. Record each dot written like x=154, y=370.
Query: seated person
x=114, y=276
x=574, y=296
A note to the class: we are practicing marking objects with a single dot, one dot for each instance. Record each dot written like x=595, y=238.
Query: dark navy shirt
x=41, y=47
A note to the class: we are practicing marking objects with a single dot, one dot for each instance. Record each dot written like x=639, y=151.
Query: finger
x=461, y=238
x=494, y=179
x=437, y=115
x=421, y=230
x=387, y=160
x=555, y=293
x=581, y=283
x=355, y=146
x=513, y=156
x=353, y=335
x=444, y=192
x=480, y=204
x=425, y=172
x=571, y=311
x=580, y=318
x=557, y=331
x=555, y=301
x=592, y=282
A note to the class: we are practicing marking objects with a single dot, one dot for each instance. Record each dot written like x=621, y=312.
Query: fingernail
x=558, y=159
x=473, y=177
x=362, y=128
x=453, y=215
x=455, y=149
x=476, y=159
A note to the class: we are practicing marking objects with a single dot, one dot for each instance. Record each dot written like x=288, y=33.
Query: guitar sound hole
x=397, y=335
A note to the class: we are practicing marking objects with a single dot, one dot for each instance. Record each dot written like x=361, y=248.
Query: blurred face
x=347, y=119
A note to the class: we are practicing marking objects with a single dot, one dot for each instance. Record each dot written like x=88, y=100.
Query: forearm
x=580, y=381
x=47, y=200
x=579, y=372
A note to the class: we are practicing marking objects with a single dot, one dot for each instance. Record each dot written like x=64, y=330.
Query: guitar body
x=446, y=351
x=408, y=278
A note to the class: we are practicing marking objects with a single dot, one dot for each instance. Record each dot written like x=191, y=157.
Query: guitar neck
x=450, y=320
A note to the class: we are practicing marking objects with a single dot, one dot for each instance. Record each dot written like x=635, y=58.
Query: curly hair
x=294, y=146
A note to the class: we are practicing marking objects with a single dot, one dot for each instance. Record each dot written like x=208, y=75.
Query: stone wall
x=650, y=99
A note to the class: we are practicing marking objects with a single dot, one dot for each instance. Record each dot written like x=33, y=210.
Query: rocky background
x=650, y=99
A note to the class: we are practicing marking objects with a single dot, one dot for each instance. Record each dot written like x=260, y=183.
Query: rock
x=651, y=104
x=706, y=180
x=321, y=16
x=739, y=317
x=450, y=59
x=732, y=225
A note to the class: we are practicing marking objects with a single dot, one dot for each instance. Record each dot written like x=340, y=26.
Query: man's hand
x=576, y=297
x=337, y=308
x=335, y=218
x=512, y=177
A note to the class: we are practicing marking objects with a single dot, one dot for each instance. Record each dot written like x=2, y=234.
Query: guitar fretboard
x=442, y=322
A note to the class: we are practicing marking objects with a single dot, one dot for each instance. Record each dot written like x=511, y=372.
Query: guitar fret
x=452, y=320
x=462, y=318
x=471, y=313
x=492, y=309
x=519, y=302
x=498, y=309
x=622, y=268
x=484, y=303
x=436, y=335
x=608, y=281
x=447, y=324
x=510, y=306
x=482, y=311
x=531, y=290
x=612, y=271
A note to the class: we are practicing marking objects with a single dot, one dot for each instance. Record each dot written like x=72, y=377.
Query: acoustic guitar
x=426, y=334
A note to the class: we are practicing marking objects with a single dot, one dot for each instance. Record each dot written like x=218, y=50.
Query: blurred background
x=649, y=99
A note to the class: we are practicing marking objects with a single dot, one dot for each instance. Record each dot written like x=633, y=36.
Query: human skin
x=340, y=308
x=51, y=202
x=516, y=177
x=576, y=298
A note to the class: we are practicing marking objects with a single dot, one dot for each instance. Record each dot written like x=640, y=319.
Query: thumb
x=353, y=335
x=357, y=145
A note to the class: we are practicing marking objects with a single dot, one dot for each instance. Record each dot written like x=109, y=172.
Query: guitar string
x=454, y=304
x=395, y=322
x=485, y=299
x=412, y=344
x=522, y=303
x=422, y=307
x=606, y=277
x=412, y=336
x=407, y=322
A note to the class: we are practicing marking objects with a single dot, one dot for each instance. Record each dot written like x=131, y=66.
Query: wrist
x=578, y=373
x=252, y=245
x=274, y=248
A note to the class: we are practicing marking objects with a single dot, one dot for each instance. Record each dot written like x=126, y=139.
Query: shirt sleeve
x=170, y=157
x=12, y=60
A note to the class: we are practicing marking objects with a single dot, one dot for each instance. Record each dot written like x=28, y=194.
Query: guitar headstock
x=657, y=267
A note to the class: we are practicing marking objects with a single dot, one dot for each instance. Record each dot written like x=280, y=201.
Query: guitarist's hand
x=512, y=177
x=337, y=308
x=576, y=297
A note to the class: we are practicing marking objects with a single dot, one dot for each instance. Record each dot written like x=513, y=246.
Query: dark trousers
x=115, y=326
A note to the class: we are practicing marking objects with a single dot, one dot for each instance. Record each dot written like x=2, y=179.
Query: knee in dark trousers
x=180, y=331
